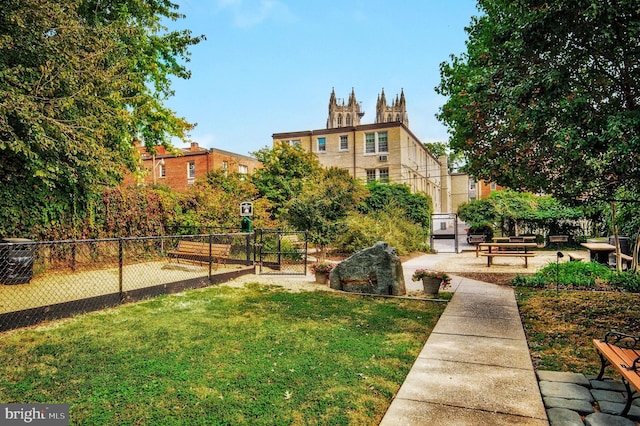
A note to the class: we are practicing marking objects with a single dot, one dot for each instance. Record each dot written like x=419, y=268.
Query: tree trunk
x=615, y=236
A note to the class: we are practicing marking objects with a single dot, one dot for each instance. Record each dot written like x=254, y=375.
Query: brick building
x=181, y=168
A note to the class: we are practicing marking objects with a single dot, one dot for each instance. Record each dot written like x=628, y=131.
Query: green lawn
x=219, y=355
x=560, y=326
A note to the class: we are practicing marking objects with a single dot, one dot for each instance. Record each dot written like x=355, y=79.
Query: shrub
x=363, y=231
x=580, y=275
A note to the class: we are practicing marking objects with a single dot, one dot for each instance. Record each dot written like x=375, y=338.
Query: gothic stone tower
x=396, y=112
x=341, y=115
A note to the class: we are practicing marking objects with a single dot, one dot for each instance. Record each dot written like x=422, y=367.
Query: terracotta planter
x=322, y=277
x=431, y=286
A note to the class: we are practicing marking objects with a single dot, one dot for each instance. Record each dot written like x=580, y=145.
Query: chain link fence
x=282, y=252
x=46, y=280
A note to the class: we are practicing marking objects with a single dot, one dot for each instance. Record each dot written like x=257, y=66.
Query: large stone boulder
x=374, y=270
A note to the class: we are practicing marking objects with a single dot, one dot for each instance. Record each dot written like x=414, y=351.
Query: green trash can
x=16, y=260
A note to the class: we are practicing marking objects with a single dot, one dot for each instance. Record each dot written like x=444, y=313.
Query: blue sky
x=268, y=66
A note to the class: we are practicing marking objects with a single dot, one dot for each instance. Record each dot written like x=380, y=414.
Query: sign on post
x=246, y=208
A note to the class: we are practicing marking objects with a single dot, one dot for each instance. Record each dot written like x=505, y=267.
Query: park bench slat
x=625, y=360
x=195, y=251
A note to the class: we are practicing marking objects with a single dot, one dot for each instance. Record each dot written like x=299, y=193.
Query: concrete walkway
x=475, y=368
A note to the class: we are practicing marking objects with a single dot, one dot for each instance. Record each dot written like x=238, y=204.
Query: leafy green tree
x=79, y=81
x=284, y=171
x=415, y=207
x=455, y=160
x=510, y=211
x=214, y=202
x=324, y=204
x=547, y=96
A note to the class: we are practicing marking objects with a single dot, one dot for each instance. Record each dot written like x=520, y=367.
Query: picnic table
x=599, y=252
x=514, y=239
x=500, y=249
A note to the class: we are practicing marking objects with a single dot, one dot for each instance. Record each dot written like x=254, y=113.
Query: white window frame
x=191, y=170
x=323, y=145
x=345, y=139
x=376, y=143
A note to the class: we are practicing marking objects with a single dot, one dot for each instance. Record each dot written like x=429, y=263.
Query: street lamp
x=154, y=166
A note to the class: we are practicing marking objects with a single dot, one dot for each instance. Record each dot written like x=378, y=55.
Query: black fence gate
x=281, y=252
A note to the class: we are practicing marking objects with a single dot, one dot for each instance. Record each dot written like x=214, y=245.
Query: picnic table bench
x=627, y=260
x=476, y=239
x=575, y=256
x=622, y=352
x=195, y=251
x=507, y=250
x=515, y=239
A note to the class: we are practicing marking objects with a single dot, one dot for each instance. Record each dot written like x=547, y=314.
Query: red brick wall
x=176, y=167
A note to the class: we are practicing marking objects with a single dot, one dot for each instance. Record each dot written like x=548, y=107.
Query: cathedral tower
x=396, y=112
x=341, y=115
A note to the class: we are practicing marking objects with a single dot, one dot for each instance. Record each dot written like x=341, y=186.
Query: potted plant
x=432, y=281
x=321, y=270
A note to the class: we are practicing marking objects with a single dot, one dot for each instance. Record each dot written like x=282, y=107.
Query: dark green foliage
x=505, y=210
x=324, y=204
x=79, y=81
x=581, y=275
x=284, y=170
x=417, y=207
x=547, y=96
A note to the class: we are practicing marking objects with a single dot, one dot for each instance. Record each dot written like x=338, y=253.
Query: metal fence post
x=210, y=259
x=120, y=266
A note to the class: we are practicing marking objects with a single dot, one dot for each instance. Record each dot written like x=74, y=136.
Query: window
x=162, y=170
x=191, y=170
x=370, y=143
x=492, y=186
x=378, y=174
x=243, y=171
x=348, y=120
x=344, y=143
x=294, y=142
x=383, y=145
x=225, y=167
x=389, y=118
x=339, y=120
x=398, y=117
x=371, y=175
x=384, y=175
x=322, y=144
x=376, y=142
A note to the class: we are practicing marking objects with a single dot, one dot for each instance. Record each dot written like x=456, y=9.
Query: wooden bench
x=575, y=257
x=523, y=255
x=627, y=261
x=622, y=352
x=476, y=239
x=507, y=250
x=195, y=251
